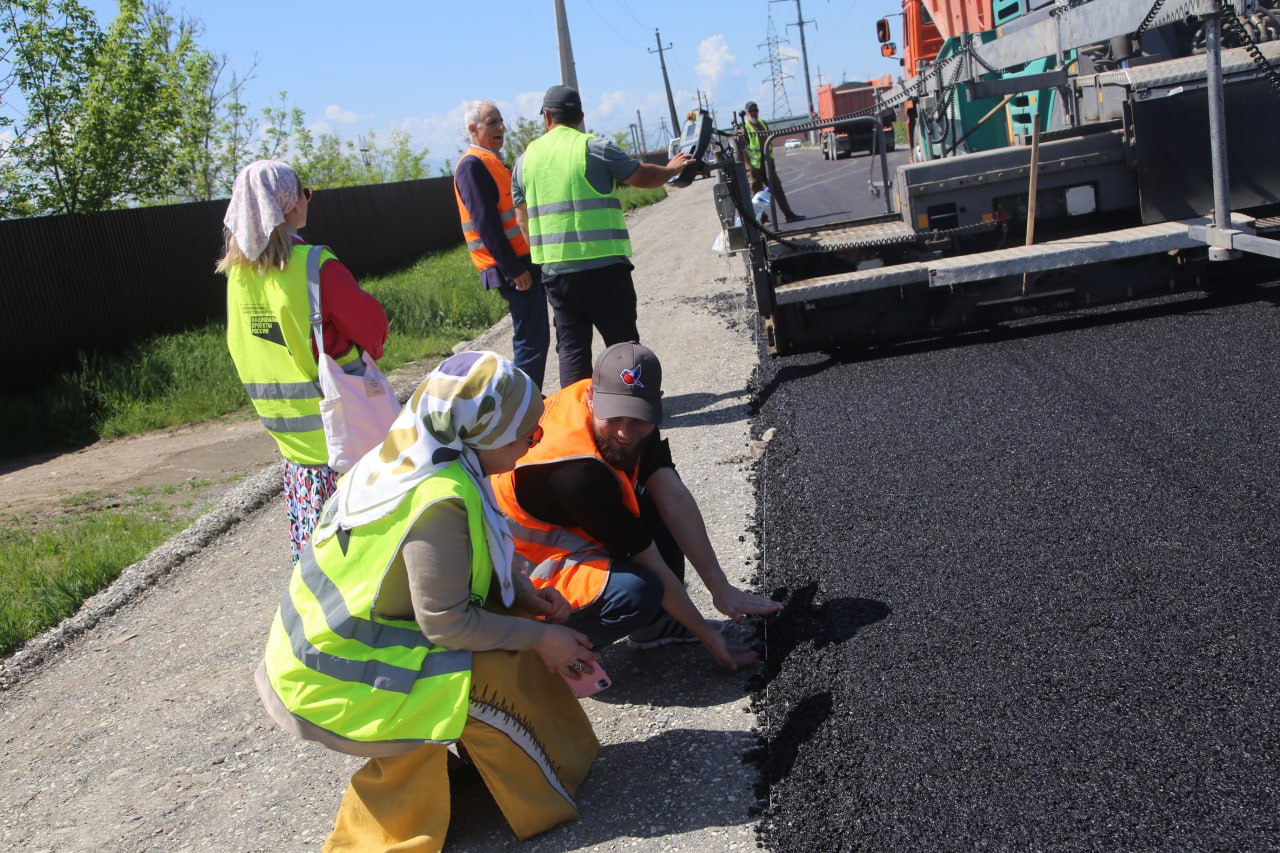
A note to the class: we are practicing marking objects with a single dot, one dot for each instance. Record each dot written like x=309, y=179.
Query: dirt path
x=136, y=727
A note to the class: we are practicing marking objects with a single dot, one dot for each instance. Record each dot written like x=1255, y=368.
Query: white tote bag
x=357, y=404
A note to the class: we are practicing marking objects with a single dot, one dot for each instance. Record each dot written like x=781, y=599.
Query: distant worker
x=761, y=169
x=565, y=190
x=482, y=186
x=269, y=329
x=600, y=514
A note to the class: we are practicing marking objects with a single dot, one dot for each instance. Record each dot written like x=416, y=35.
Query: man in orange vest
x=482, y=186
x=598, y=512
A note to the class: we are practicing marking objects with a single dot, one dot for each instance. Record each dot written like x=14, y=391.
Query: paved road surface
x=1032, y=584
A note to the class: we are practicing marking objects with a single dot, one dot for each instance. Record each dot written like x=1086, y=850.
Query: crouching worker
x=404, y=628
x=599, y=513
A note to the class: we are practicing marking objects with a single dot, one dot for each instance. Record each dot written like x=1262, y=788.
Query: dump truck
x=842, y=140
x=1064, y=156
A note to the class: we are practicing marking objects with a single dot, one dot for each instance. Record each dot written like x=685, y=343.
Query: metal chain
x=1232, y=22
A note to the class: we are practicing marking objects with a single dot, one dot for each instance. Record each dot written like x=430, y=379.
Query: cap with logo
x=562, y=98
x=627, y=383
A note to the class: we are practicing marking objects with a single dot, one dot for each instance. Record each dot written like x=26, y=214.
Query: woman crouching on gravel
x=269, y=328
x=396, y=634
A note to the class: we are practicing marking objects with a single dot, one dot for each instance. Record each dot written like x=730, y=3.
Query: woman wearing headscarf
x=404, y=628
x=269, y=328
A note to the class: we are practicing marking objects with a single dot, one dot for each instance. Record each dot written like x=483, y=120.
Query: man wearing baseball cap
x=761, y=168
x=565, y=190
x=599, y=513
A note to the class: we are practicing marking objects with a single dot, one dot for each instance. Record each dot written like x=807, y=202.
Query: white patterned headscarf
x=472, y=401
x=262, y=193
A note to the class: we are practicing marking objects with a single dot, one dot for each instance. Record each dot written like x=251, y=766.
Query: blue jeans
x=632, y=596
x=531, y=333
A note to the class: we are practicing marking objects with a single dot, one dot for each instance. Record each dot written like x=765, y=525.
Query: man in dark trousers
x=599, y=513
x=566, y=196
x=482, y=186
x=761, y=169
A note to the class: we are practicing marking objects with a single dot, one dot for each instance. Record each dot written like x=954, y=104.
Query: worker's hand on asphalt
x=736, y=603
x=524, y=281
x=726, y=654
x=546, y=602
x=560, y=648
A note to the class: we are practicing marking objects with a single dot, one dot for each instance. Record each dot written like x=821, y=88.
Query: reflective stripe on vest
x=755, y=142
x=481, y=257
x=567, y=558
x=269, y=338
x=336, y=664
x=568, y=219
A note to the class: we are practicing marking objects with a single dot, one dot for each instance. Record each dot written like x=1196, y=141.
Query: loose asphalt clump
x=1031, y=587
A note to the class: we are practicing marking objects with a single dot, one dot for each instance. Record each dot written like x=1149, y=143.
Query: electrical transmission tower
x=663, y=136
x=781, y=103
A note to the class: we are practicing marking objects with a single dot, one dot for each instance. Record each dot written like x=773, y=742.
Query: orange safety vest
x=480, y=256
x=567, y=558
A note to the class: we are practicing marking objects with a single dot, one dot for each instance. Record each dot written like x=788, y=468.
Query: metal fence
x=101, y=281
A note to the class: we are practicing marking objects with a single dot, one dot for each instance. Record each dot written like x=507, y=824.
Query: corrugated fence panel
x=102, y=281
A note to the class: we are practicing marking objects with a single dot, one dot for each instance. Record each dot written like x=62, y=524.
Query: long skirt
x=528, y=737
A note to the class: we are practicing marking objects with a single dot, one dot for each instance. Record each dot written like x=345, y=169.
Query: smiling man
x=482, y=186
x=599, y=512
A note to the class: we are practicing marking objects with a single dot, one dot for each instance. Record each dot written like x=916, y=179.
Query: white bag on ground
x=357, y=404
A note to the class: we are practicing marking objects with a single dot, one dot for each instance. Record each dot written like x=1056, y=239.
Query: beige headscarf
x=262, y=193
x=472, y=401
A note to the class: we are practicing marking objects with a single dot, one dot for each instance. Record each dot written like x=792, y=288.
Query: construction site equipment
x=1063, y=155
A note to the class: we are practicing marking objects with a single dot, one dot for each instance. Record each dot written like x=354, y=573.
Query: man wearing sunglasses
x=761, y=168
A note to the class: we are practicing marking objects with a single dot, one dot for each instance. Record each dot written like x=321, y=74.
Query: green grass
x=45, y=574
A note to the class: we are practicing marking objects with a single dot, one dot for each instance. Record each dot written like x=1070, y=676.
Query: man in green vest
x=761, y=169
x=565, y=187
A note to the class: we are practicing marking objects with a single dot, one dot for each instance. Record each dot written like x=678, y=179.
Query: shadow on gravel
x=777, y=756
x=677, y=676
x=691, y=410
x=643, y=788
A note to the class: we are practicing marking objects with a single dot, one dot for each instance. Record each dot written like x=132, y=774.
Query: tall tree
x=104, y=111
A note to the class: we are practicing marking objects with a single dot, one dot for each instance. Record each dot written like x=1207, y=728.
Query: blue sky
x=413, y=66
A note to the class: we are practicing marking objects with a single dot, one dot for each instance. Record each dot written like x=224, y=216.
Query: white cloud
x=715, y=60
x=609, y=101
x=338, y=115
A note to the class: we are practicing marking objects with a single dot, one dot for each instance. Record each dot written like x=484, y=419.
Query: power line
x=776, y=74
x=804, y=53
x=666, y=83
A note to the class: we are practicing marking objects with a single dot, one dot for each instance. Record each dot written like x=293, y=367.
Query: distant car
x=792, y=143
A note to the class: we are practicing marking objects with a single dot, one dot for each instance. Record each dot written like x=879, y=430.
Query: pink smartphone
x=589, y=683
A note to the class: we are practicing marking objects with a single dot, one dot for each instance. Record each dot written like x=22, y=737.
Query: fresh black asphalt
x=1031, y=585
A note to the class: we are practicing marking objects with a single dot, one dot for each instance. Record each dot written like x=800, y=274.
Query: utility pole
x=671, y=103
x=568, y=74
x=644, y=146
x=635, y=140
x=804, y=54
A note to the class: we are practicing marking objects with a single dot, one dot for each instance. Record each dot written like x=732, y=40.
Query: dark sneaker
x=663, y=632
x=795, y=217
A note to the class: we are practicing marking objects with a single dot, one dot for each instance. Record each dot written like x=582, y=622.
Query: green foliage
x=46, y=574
x=518, y=137
x=636, y=197
x=105, y=111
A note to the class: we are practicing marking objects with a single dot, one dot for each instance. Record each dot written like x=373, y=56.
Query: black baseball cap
x=562, y=98
x=751, y=105
x=627, y=383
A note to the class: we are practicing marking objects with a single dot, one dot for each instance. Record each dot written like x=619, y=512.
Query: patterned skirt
x=306, y=488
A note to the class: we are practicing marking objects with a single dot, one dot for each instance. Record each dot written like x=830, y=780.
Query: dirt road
x=142, y=730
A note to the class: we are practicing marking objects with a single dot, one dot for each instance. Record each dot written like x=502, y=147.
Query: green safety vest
x=366, y=678
x=568, y=219
x=269, y=336
x=755, y=142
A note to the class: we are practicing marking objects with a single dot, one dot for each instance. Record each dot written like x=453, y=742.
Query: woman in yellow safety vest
x=269, y=328
x=404, y=628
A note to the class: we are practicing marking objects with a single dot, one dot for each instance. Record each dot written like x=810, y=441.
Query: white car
x=792, y=143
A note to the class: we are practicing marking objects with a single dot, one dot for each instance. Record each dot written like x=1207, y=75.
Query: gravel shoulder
x=135, y=726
